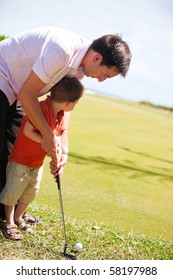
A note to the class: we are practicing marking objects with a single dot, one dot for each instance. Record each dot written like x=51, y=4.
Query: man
x=32, y=62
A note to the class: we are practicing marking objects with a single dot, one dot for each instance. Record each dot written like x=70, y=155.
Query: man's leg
x=4, y=105
x=10, y=122
x=13, y=122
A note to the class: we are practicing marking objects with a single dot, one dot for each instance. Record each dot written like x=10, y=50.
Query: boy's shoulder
x=46, y=103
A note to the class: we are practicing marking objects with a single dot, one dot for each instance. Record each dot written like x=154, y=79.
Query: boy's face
x=69, y=106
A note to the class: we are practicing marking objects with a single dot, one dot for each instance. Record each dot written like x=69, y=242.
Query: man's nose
x=102, y=78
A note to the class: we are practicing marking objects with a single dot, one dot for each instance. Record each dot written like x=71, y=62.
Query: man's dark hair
x=115, y=52
x=68, y=89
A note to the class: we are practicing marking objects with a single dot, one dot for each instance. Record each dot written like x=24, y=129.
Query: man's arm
x=30, y=132
x=58, y=170
x=28, y=96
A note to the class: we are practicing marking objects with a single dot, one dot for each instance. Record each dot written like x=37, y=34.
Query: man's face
x=97, y=71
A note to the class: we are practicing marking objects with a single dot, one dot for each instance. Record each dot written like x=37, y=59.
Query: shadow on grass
x=123, y=167
x=145, y=155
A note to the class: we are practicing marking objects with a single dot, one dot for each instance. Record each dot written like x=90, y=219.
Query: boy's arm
x=31, y=133
x=64, y=135
x=64, y=141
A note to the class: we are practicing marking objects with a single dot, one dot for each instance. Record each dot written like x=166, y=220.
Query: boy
x=25, y=164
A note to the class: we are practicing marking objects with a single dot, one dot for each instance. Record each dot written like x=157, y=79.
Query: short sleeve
x=51, y=60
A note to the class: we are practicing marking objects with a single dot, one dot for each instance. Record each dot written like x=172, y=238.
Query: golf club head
x=68, y=256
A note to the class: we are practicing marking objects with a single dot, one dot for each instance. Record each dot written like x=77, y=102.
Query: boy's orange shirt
x=28, y=152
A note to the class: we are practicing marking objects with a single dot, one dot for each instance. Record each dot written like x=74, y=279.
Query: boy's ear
x=67, y=104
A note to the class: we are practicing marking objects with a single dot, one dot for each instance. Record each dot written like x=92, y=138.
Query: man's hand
x=62, y=164
x=58, y=170
x=50, y=146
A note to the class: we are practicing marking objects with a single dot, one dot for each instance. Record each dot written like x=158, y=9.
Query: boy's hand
x=58, y=170
x=53, y=168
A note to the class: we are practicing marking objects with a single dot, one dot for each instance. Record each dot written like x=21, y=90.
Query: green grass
x=99, y=242
x=118, y=177
x=120, y=168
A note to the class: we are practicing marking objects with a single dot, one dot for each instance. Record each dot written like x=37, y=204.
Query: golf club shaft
x=61, y=207
x=68, y=256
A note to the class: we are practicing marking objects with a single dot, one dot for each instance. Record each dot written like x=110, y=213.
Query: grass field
x=117, y=187
x=120, y=168
x=99, y=242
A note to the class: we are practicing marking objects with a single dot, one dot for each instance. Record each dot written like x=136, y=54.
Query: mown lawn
x=120, y=168
x=99, y=242
x=117, y=187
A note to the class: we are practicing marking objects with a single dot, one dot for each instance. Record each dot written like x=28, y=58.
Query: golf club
x=64, y=254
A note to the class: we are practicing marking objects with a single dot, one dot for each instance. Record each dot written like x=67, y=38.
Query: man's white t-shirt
x=50, y=52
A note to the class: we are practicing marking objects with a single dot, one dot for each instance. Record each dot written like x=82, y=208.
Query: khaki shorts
x=22, y=184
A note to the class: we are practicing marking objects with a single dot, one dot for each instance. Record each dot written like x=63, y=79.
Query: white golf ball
x=78, y=246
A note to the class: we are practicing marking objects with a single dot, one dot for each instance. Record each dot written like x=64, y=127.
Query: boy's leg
x=20, y=209
x=19, y=221
x=9, y=214
x=10, y=230
x=32, y=189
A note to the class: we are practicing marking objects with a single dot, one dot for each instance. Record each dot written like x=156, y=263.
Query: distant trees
x=2, y=37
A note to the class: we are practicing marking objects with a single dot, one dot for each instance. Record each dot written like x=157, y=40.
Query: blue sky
x=147, y=26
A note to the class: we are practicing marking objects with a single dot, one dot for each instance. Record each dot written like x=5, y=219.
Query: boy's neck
x=57, y=107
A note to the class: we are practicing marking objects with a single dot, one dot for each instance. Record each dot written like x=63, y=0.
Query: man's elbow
x=21, y=96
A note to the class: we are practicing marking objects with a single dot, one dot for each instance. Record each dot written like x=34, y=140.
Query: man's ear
x=97, y=57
